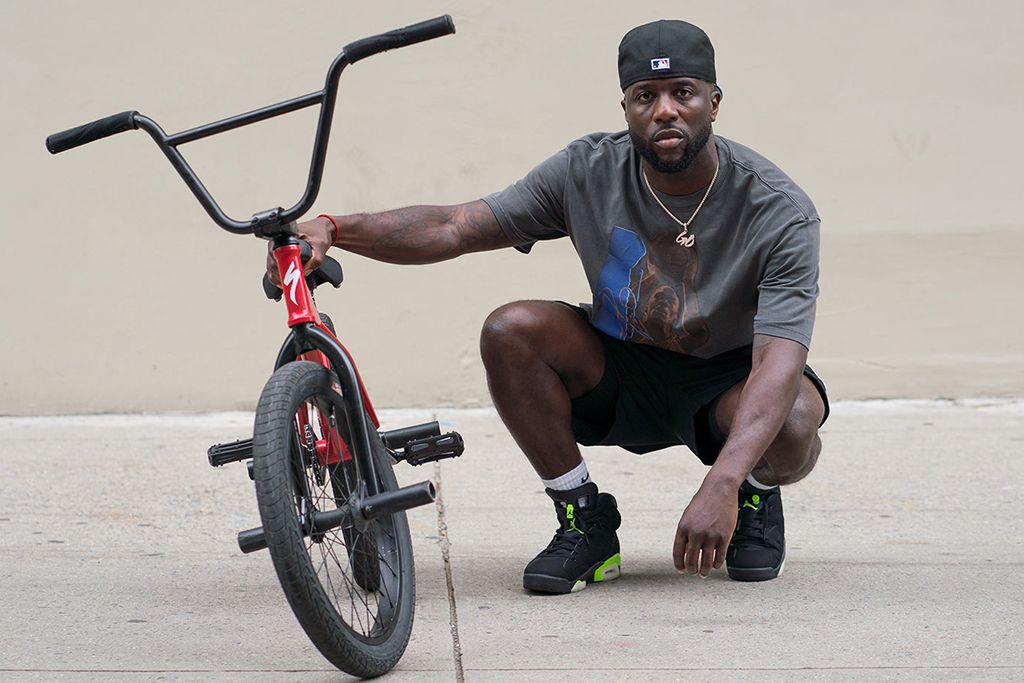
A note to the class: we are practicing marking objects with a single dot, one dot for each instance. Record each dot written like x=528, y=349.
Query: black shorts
x=651, y=398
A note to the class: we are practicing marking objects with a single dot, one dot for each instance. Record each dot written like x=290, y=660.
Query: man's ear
x=716, y=99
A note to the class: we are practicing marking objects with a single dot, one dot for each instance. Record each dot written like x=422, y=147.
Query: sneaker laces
x=750, y=525
x=567, y=537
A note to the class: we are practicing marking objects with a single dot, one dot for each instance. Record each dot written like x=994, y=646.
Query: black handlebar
x=400, y=37
x=75, y=137
x=276, y=220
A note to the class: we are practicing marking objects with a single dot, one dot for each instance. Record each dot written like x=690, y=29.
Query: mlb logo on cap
x=660, y=64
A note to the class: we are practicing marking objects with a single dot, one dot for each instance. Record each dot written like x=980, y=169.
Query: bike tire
x=363, y=630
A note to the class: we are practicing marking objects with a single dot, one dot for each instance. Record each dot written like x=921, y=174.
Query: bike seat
x=329, y=272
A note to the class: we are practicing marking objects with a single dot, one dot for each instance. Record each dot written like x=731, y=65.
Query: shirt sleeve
x=533, y=208
x=788, y=291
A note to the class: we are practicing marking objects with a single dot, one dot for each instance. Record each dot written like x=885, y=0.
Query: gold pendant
x=684, y=240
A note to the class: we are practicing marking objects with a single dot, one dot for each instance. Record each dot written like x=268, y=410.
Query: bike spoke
x=353, y=591
x=327, y=572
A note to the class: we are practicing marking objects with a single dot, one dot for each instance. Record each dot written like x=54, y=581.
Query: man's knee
x=509, y=327
x=798, y=434
x=794, y=452
x=524, y=334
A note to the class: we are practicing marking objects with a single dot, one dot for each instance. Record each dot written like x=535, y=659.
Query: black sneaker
x=585, y=548
x=758, y=548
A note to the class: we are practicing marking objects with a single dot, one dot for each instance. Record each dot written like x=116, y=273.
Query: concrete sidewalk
x=118, y=560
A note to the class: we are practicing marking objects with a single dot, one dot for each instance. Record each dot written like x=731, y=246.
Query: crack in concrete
x=453, y=615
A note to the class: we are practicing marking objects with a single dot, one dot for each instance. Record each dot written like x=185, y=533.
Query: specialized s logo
x=291, y=279
x=660, y=64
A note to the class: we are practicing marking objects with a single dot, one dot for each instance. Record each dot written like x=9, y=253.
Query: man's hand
x=705, y=529
x=318, y=232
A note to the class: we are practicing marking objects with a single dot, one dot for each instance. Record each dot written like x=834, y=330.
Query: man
x=703, y=260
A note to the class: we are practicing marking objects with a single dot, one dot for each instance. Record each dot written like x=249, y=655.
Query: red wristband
x=337, y=230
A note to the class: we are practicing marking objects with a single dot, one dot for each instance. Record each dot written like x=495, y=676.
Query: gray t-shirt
x=753, y=267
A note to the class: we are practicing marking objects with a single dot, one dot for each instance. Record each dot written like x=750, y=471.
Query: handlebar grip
x=400, y=37
x=270, y=289
x=75, y=137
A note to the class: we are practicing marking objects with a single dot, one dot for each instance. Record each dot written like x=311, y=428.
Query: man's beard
x=694, y=146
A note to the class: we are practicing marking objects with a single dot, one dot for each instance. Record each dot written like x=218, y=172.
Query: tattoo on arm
x=426, y=234
x=478, y=229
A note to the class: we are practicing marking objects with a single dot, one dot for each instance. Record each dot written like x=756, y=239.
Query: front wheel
x=352, y=587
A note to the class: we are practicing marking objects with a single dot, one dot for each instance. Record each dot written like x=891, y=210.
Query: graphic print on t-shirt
x=648, y=295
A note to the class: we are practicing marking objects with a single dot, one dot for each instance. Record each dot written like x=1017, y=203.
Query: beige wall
x=901, y=120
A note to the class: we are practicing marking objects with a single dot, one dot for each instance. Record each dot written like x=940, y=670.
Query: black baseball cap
x=667, y=48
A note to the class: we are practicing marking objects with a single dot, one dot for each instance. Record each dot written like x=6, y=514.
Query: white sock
x=756, y=484
x=574, y=478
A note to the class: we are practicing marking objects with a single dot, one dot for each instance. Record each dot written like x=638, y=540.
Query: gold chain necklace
x=683, y=239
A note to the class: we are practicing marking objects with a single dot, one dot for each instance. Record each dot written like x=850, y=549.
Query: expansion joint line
x=446, y=557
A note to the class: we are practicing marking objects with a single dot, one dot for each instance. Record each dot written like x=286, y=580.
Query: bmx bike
x=333, y=516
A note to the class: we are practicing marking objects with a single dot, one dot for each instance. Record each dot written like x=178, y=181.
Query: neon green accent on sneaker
x=570, y=516
x=756, y=498
x=747, y=503
x=610, y=569
x=578, y=586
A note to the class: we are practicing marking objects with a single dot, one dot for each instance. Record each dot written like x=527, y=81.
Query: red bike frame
x=301, y=310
